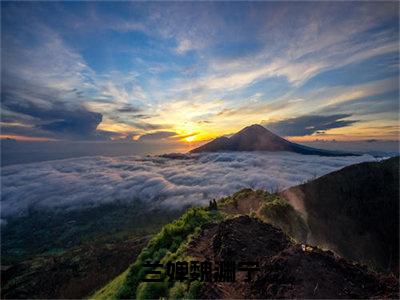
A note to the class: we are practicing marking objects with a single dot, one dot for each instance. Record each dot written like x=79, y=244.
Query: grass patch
x=280, y=213
x=111, y=289
x=169, y=244
x=240, y=195
x=29, y=235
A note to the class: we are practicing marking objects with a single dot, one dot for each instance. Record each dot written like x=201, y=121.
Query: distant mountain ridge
x=258, y=138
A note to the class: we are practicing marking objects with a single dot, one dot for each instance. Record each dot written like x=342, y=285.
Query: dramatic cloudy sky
x=188, y=72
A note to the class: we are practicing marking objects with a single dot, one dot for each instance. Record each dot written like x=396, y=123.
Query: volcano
x=258, y=138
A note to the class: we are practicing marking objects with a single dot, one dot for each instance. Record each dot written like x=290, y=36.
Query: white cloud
x=184, y=46
x=49, y=64
x=364, y=90
x=302, y=50
x=51, y=73
x=91, y=181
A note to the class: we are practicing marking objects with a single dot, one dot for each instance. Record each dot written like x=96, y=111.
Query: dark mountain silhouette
x=258, y=138
x=355, y=212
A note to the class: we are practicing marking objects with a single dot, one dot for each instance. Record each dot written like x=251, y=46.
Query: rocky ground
x=287, y=269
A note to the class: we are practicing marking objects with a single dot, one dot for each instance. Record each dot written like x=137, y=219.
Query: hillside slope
x=287, y=239
x=354, y=211
x=287, y=270
x=69, y=254
x=258, y=138
x=69, y=275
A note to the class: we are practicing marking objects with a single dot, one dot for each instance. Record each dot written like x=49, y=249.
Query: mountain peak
x=256, y=128
x=257, y=138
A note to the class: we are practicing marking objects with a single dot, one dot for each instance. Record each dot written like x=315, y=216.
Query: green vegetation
x=168, y=245
x=67, y=248
x=280, y=213
x=240, y=195
x=29, y=235
x=111, y=289
x=268, y=207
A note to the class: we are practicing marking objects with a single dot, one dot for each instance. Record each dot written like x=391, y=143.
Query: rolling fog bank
x=76, y=183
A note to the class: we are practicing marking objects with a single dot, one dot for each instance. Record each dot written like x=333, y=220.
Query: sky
x=187, y=72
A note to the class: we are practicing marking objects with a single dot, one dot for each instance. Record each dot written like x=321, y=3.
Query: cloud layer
x=306, y=125
x=92, y=181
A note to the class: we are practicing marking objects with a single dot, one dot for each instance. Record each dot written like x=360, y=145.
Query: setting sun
x=190, y=138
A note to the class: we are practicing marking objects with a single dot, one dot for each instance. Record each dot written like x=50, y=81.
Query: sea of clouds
x=91, y=181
